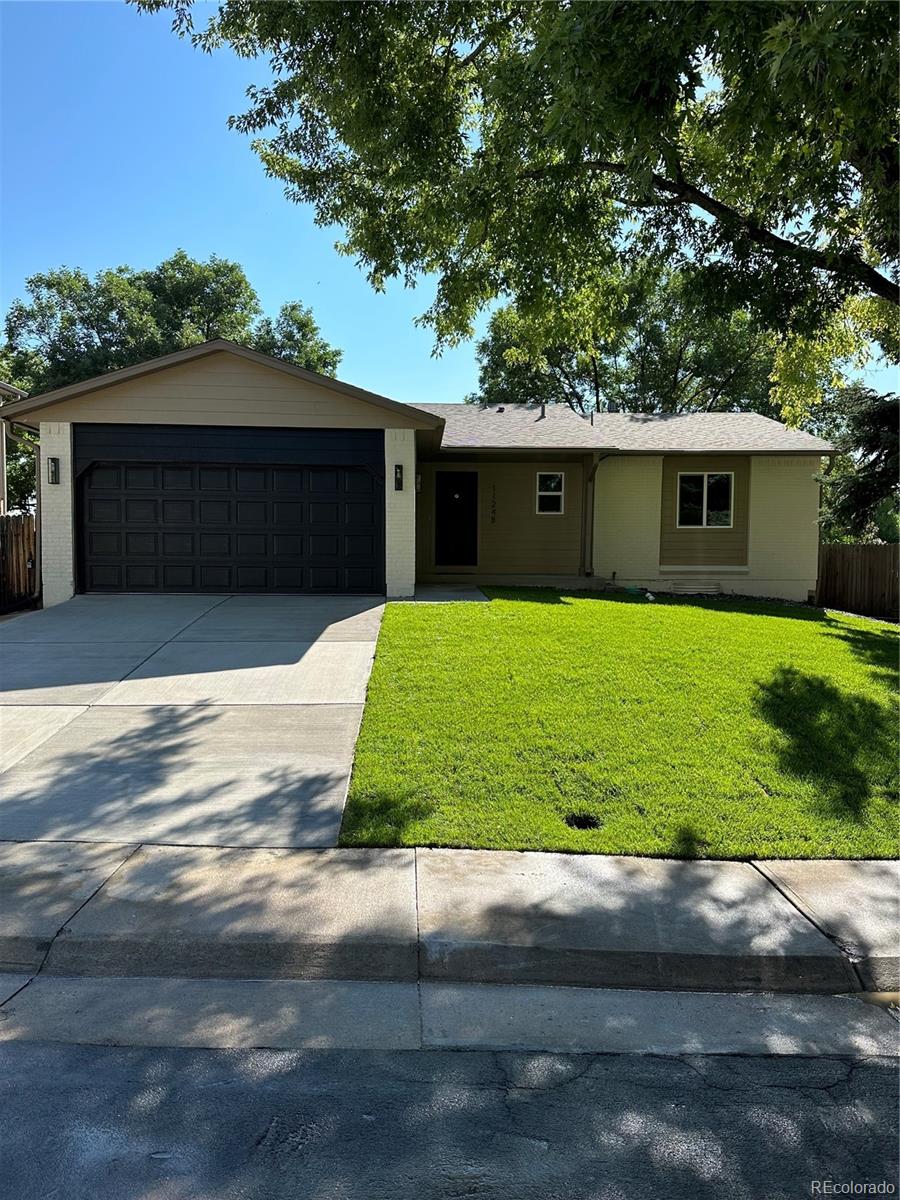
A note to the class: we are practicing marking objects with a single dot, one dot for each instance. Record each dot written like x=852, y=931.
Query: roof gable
x=20, y=408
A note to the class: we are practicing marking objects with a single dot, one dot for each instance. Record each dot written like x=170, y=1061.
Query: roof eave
x=768, y=450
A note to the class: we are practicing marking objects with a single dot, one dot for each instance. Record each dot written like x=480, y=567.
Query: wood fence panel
x=860, y=579
x=17, y=561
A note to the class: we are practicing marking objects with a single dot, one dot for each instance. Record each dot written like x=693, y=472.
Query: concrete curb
x=571, y=967
x=855, y=904
x=449, y=916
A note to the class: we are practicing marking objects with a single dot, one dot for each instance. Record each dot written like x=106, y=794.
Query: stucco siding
x=627, y=493
x=513, y=539
x=784, y=531
x=224, y=389
x=57, y=514
x=782, y=506
x=400, y=513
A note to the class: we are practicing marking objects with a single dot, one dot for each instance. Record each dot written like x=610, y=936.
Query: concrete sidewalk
x=79, y=909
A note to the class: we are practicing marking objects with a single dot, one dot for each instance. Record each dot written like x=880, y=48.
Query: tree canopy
x=73, y=327
x=860, y=491
x=661, y=353
x=517, y=149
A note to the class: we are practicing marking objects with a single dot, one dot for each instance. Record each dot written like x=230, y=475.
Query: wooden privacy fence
x=860, y=579
x=17, y=559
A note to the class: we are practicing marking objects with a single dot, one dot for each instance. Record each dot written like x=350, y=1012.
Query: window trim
x=704, y=525
x=539, y=491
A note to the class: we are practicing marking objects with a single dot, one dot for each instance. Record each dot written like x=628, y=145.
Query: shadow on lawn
x=381, y=819
x=878, y=648
x=842, y=742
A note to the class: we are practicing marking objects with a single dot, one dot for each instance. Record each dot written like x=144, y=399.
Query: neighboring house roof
x=218, y=345
x=525, y=426
x=7, y=389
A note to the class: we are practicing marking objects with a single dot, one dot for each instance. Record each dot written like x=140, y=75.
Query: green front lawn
x=717, y=729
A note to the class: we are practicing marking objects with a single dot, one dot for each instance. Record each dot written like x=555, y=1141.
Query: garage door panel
x=214, y=545
x=287, y=545
x=215, y=512
x=107, y=477
x=140, y=512
x=287, y=481
x=105, y=576
x=230, y=528
x=106, y=512
x=359, y=513
x=286, y=514
x=105, y=543
x=178, y=545
x=176, y=479
x=143, y=543
x=252, y=479
x=142, y=477
x=215, y=479
x=142, y=577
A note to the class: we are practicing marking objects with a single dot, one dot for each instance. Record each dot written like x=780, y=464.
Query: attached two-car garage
x=217, y=469
x=204, y=509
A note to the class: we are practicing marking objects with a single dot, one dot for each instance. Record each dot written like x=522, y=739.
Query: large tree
x=514, y=148
x=861, y=487
x=656, y=350
x=73, y=326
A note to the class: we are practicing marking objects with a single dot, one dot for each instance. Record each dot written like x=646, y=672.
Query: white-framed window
x=551, y=493
x=705, y=500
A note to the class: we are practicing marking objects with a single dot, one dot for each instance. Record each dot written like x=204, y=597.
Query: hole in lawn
x=582, y=820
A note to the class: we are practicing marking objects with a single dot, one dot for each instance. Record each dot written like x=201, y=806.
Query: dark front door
x=456, y=519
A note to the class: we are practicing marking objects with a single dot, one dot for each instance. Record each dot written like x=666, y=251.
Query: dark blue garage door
x=197, y=509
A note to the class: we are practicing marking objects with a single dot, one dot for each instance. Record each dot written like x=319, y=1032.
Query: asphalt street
x=114, y=1123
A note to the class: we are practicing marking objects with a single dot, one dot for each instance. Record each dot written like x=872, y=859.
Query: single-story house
x=219, y=469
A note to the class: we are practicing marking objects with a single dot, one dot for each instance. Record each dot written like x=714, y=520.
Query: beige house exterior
x=221, y=469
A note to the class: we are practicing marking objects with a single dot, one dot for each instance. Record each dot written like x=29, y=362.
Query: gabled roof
x=527, y=427
x=31, y=404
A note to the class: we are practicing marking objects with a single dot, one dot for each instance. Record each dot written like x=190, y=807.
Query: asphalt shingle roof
x=525, y=427
x=513, y=426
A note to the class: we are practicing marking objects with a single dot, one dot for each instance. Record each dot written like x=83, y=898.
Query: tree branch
x=498, y=27
x=844, y=263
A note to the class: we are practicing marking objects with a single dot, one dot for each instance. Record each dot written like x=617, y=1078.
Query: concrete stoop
x=444, y=917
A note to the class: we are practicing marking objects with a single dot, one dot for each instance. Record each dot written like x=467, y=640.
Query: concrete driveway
x=200, y=720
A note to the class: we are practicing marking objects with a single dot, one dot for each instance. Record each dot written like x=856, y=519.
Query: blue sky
x=115, y=149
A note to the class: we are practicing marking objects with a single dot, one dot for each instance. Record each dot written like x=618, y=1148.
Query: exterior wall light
x=398, y=477
x=53, y=470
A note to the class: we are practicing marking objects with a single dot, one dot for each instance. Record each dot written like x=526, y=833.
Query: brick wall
x=57, y=514
x=400, y=512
